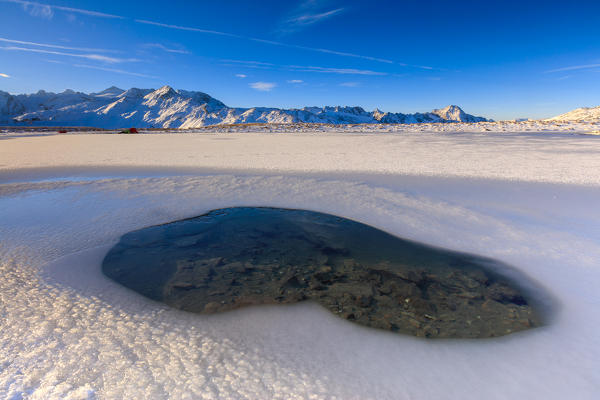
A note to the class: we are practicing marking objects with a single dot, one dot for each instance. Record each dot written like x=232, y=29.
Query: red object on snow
x=62, y=131
x=133, y=130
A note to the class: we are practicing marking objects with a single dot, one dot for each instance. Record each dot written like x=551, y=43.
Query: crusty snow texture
x=70, y=333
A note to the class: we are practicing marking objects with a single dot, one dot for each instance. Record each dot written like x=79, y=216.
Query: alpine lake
x=245, y=256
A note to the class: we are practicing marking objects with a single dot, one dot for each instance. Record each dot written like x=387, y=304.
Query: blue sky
x=499, y=59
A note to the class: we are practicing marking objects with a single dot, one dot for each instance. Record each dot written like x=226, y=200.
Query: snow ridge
x=170, y=108
x=587, y=114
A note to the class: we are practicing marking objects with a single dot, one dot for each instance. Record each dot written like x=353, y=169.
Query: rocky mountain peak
x=166, y=107
x=111, y=91
x=164, y=91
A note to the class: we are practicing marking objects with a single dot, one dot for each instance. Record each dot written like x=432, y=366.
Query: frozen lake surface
x=70, y=332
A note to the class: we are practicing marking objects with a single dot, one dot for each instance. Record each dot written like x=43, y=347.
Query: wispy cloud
x=241, y=76
x=271, y=42
x=304, y=68
x=117, y=71
x=95, y=57
x=4, y=75
x=47, y=10
x=574, y=67
x=342, y=71
x=55, y=46
x=187, y=28
x=349, y=84
x=343, y=54
x=165, y=48
x=53, y=61
x=299, y=22
x=308, y=19
x=247, y=63
x=38, y=10
x=295, y=81
x=307, y=13
x=263, y=86
x=306, y=16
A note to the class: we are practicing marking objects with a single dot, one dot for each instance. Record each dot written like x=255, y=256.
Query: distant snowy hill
x=170, y=108
x=588, y=114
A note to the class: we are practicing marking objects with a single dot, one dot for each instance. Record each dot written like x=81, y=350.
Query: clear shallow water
x=236, y=257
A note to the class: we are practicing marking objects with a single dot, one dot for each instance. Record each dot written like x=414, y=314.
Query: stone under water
x=236, y=257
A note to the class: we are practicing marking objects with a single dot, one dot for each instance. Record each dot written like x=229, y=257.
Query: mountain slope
x=589, y=114
x=169, y=108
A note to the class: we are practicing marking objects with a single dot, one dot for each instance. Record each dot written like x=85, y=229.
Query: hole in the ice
x=236, y=257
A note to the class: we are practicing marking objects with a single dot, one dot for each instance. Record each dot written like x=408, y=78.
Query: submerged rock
x=238, y=257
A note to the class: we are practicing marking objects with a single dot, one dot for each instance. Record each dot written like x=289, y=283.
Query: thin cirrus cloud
x=309, y=19
x=263, y=86
x=248, y=63
x=4, y=75
x=55, y=46
x=302, y=68
x=295, y=81
x=300, y=22
x=95, y=57
x=115, y=70
x=47, y=10
x=341, y=71
x=574, y=68
x=349, y=84
x=165, y=48
x=306, y=16
x=186, y=28
x=242, y=76
x=271, y=42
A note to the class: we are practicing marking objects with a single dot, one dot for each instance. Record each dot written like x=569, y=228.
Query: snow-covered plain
x=68, y=332
x=553, y=126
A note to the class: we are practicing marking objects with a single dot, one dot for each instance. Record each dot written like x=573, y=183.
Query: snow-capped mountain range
x=170, y=108
x=588, y=114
